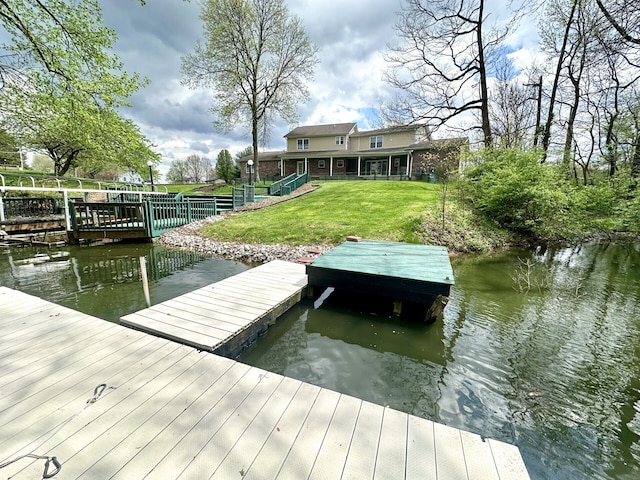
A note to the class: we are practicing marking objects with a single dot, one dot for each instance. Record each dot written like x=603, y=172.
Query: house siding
x=316, y=144
x=389, y=140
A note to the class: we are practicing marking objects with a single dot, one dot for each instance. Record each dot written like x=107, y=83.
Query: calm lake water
x=537, y=348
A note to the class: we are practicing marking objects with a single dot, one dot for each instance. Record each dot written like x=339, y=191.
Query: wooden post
x=2, y=218
x=145, y=280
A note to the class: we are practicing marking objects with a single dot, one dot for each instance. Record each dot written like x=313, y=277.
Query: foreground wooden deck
x=171, y=411
x=224, y=316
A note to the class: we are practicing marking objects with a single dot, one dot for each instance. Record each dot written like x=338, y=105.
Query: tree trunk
x=635, y=160
x=254, y=143
x=484, y=91
x=546, y=134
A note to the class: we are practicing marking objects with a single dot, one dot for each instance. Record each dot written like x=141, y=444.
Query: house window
x=340, y=140
x=321, y=164
x=375, y=141
x=303, y=144
x=340, y=163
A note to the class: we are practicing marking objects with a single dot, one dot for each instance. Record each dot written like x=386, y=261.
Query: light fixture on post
x=250, y=165
x=150, y=163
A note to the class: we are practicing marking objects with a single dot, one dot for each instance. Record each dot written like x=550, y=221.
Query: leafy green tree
x=9, y=149
x=62, y=89
x=225, y=166
x=256, y=57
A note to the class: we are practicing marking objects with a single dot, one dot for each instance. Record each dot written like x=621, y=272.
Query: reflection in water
x=553, y=368
x=105, y=280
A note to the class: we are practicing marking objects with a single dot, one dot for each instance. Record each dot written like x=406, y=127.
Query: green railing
x=293, y=184
x=161, y=216
x=150, y=218
x=276, y=187
x=243, y=195
x=93, y=216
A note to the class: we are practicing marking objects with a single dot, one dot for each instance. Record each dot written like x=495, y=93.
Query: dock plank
x=174, y=447
x=421, y=449
x=363, y=451
x=478, y=456
x=302, y=455
x=449, y=452
x=249, y=443
x=393, y=445
x=335, y=446
x=276, y=447
x=508, y=460
x=222, y=439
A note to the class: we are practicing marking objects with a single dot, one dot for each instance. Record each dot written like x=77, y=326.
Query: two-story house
x=340, y=151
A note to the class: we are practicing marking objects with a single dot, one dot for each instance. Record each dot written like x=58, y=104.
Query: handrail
x=294, y=184
x=276, y=186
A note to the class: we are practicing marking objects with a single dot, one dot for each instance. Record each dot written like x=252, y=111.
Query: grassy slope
x=382, y=210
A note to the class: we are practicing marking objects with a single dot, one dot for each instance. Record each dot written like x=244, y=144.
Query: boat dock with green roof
x=406, y=274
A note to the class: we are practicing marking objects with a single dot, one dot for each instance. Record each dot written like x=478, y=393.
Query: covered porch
x=323, y=165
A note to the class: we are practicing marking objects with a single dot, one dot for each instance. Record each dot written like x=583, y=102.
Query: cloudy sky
x=347, y=86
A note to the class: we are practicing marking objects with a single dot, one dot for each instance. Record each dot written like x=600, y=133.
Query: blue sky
x=347, y=86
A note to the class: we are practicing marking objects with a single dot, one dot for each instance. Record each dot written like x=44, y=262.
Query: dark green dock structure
x=414, y=278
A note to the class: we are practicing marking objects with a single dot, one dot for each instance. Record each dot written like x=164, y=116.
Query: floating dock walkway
x=109, y=401
x=225, y=316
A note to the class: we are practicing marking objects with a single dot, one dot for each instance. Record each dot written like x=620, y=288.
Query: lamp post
x=150, y=163
x=250, y=164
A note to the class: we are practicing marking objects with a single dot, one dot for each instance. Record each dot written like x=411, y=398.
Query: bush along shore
x=188, y=237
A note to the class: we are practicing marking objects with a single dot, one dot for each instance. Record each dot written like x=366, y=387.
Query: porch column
x=389, y=165
x=2, y=218
x=409, y=164
x=306, y=165
x=358, y=166
x=331, y=166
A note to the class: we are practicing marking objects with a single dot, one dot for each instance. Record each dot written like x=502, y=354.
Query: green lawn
x=382, y=210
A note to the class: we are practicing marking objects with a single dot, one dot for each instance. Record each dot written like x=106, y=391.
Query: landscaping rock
x=188, y=237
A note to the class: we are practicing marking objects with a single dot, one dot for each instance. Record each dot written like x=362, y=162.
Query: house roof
x=440, y=143
x=378, y=131
x=262, y=156
x=323, y=130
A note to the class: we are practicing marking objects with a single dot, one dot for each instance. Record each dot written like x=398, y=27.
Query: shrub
x=519, y=193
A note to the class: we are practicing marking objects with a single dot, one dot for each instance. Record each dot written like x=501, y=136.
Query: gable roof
x=323, y=130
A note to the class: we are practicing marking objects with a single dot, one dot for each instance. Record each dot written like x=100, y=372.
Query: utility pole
x=538, y=85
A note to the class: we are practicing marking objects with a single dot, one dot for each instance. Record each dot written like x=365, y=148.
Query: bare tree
x=256, y=56
x=511, y=111
x=440, y=67
x=197, y=168
x=624, y=16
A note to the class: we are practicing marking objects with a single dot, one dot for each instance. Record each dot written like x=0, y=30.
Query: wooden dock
x=226, y=316
x=403, y=273
x=166, y=411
